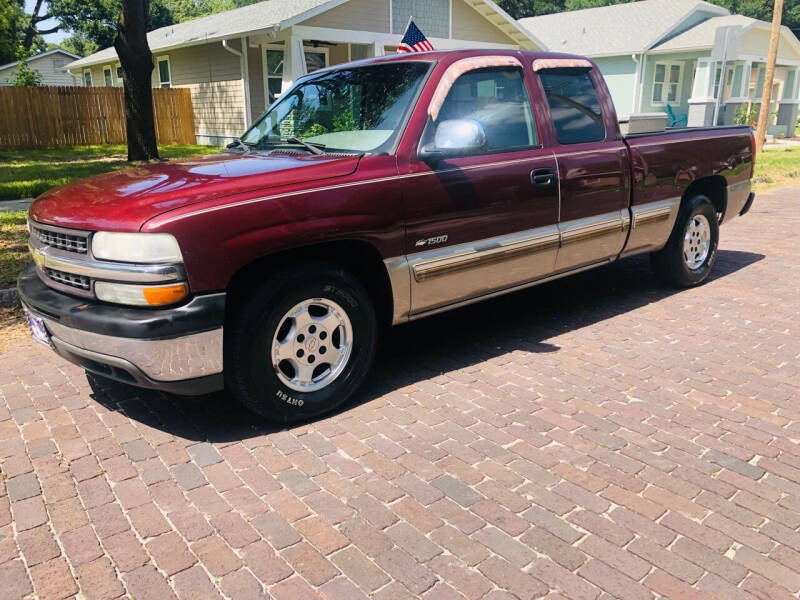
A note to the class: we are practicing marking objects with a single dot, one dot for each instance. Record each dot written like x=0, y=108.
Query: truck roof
x=450, y=56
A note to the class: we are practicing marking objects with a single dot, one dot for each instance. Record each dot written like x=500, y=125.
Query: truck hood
x=124, y=200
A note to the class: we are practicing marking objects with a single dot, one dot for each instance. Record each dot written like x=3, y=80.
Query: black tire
x=669, y=263
x=249, y=372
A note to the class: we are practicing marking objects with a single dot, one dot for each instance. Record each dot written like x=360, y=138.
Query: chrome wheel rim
x=312, y=345
x=696, y=241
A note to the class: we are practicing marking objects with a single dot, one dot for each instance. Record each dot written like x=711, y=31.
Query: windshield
x=357, y=109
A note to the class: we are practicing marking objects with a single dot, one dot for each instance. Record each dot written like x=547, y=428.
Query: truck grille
x=77, y=281
x=70, y=242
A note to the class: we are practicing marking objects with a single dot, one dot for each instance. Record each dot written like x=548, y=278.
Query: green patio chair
x=674, y=119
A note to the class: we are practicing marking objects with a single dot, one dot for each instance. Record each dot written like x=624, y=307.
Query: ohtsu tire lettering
x=289, y=399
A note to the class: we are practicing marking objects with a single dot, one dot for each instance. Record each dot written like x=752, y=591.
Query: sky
x=53, y=37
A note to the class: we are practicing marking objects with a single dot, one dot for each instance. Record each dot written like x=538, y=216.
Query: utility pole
x=766, y=97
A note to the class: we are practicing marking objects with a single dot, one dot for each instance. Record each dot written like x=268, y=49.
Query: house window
x=107, y=77
x=164, y=75
x=274, y=73
x=87, y=78
x=667, y=83
x=119, y=74
x=574, y=106
x=316, y=58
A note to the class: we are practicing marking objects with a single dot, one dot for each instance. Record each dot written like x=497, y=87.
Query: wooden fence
x=37, y=117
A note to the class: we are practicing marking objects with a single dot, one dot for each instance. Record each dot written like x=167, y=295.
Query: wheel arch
x=715, y=187
x=358, y=257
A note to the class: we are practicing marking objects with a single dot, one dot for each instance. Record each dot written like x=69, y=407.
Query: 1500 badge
x=432, y=241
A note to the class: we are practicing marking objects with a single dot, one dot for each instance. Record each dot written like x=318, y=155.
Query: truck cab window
x=497, y=99
x=574, y=106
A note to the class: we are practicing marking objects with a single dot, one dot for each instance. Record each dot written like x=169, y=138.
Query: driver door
x=489, y=221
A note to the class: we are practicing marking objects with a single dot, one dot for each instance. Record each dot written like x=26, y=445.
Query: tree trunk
x=137, y=67
x=31, y=30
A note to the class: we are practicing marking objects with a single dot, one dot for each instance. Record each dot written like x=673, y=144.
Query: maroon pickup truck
x=370, y=193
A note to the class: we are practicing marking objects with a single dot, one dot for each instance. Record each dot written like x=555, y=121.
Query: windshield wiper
x=237, y=143
x=312, y=147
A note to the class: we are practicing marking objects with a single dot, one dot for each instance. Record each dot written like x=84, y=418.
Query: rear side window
x=574, y=105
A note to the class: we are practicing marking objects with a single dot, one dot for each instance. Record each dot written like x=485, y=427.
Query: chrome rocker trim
x=472, y=258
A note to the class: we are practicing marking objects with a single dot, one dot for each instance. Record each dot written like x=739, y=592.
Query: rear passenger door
x=486, y=222
x=594, y=174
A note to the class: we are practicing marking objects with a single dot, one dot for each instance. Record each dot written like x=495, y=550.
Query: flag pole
x=410, y=18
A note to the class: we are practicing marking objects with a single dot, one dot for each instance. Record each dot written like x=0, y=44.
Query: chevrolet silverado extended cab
x=369, y=193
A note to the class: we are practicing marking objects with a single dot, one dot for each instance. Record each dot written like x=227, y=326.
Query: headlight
x=140, y=295
x=136, y=247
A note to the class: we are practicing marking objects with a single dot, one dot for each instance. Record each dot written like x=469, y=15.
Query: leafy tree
x=762, y=9
x=531, y=8
x=581, y=4
x=32, y=30
x=12, y=24
x=25, y=76
x=96, y=20
x=78, y=44
x=123, y=24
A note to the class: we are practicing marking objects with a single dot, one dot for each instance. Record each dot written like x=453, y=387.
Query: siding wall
x=469, y=25
x=51, y=74
x=756, y=42
x=431, y=16
x=256, y=75
x=361, y=15
x=338, y=54
x=213, y=76
x=620, y=74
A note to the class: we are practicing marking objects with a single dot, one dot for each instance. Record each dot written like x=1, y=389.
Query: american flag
x=414, y=40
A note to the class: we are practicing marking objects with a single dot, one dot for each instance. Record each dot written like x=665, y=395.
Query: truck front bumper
x=176, y=350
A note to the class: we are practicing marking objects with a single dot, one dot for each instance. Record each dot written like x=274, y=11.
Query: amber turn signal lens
x=169, y=294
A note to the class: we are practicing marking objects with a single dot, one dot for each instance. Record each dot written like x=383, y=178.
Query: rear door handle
x=543, y=177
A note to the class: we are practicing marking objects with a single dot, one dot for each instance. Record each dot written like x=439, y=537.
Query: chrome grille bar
x=68, y=240
x=76, y=281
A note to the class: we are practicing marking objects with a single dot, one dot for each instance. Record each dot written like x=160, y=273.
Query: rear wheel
x=302, y=344
x=689, y=255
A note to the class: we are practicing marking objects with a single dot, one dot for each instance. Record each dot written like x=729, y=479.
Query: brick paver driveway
x=597, y=437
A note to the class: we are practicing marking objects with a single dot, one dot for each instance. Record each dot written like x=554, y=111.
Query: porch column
x=245, y=66
x=787, y=108
x=759, y=88
x=702, y=103
x=739, y=89
x=294, y=62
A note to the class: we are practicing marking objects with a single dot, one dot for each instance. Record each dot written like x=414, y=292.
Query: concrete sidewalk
x=12, y=205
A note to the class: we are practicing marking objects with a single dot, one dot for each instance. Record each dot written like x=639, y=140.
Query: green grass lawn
x=777, y=167
x=30, y=172
x=13, y=247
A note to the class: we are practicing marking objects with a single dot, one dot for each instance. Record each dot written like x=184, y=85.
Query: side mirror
x=458, y=137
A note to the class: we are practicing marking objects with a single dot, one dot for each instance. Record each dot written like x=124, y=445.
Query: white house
x=236, y=62
x=670, y=56
x=51, y=64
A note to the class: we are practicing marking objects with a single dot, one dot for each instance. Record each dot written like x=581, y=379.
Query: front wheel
x=301, y=344
x=689, y=255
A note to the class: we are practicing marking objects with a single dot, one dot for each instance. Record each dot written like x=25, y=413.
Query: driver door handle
x=543, y=177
